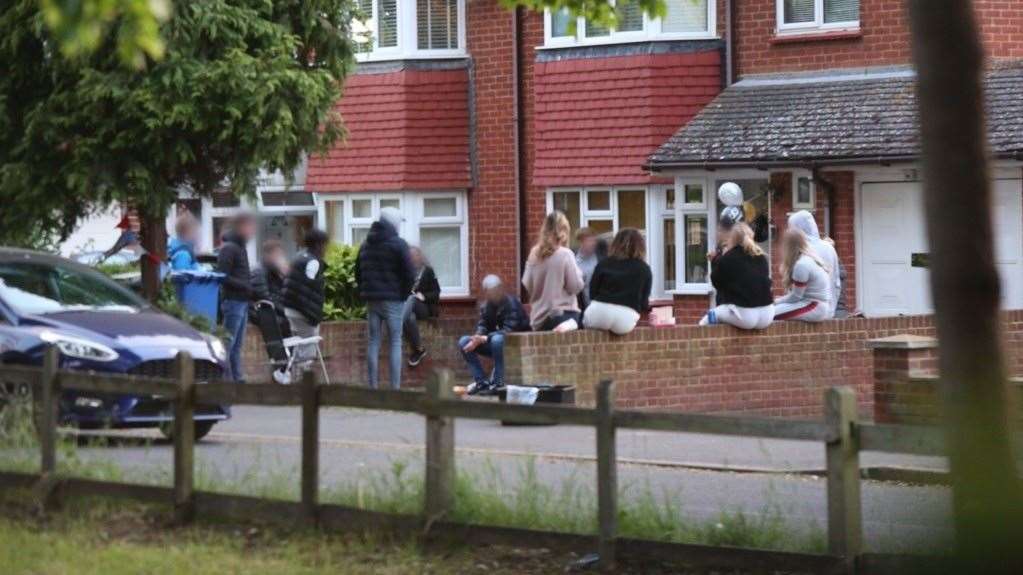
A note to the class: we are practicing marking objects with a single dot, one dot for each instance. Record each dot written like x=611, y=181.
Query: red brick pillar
x=905, y=379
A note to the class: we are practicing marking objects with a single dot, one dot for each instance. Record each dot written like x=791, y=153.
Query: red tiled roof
x=598, y=119
x=407, y=130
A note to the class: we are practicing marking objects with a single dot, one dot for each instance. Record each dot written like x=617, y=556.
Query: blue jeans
x=381, y=312
x=492, y=348
x=236, y=314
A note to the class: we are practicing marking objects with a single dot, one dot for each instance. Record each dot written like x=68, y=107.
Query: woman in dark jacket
x=742, y=278
x=621, y=284
x=268, y=281
x=423, y=302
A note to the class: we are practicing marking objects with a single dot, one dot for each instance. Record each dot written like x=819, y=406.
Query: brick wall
x=344, y=346
x=493, y=211
x=781, y=371
x=906, y=383
x=883, y=39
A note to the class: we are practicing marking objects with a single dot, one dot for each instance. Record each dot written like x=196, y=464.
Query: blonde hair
x=742, y=237
x=554, y=234
x=794, y=246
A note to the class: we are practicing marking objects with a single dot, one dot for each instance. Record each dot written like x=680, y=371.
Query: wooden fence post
x=607, y=475
x=440, y=452
x=49, y=412
x=184, y=439
x=845, y=525
x=310, y=446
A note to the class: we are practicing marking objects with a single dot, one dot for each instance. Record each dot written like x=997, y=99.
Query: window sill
x=373, y=58
x=692, y=290
x=816, y=36
x=556, y=45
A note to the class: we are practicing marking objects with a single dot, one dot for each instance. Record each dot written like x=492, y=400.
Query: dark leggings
x=554, y=321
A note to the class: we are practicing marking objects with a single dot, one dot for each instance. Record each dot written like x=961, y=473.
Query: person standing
x=500, y=314
x=552, y=277
x=385, y=275
x=268, y=280
x=742, y=281
x=181, y=249
x=807, y=280
x=236, y=289
x=823, y=249
x=422, y=303
x=304, y=293
x=621, y=285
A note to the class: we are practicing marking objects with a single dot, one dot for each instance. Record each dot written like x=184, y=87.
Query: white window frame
x=413, y=211
x=651, y=31
x=408, y=37
x=818, y=25
x=796, y=204
x=705, y=208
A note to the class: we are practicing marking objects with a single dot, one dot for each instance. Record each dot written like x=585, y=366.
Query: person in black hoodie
x=236, y=289
x=268, y=281
x=385, y=275
x=621, y=284
x=501, y=314
x=742, y=277
x=422, y=303
x=304, y=293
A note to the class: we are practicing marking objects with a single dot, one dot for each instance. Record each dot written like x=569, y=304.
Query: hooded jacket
x=304, y=288
x=181, y=254
x=233, y=262
x=804, y=222
x=384, y=268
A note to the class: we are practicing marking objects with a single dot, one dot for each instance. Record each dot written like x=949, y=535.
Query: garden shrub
x=342, y=293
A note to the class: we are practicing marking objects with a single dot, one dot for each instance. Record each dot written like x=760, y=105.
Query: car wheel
x=202, y=429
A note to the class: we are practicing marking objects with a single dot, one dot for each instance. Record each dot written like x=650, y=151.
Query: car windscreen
x=36, y=288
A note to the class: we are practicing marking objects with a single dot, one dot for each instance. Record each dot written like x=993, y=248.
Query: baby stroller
x=282, y=350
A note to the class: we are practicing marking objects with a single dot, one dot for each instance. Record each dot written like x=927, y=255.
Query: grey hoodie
x=803, y=221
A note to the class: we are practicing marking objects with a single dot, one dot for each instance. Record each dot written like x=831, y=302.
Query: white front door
x=894, y=235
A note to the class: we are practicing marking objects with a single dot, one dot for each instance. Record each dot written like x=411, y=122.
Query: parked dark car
x=100, y=326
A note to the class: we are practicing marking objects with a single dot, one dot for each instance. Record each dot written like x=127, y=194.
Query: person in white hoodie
x=804, y=222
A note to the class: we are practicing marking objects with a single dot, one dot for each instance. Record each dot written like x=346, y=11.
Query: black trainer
x=477, y=387
x=417, y=357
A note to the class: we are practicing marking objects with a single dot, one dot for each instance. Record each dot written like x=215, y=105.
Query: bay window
x=796, y=16
x=393, y=29
x=684, y=19
x=434, y=221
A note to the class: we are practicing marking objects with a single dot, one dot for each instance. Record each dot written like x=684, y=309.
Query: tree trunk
x=154, y=239
x=964, y=282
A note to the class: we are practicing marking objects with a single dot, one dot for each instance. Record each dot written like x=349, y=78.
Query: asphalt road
x=258, y=451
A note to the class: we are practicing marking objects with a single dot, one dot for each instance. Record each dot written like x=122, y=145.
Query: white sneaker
x=282, y=377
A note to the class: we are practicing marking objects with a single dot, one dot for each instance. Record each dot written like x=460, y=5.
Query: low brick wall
x=906, y=382
x=344, y=345
x=781, y=371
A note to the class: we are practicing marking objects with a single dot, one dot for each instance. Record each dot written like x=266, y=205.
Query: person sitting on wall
x=823, y=249
x=807, y=280
x=422, y=303
x=500, y=314
x=181, y=249
x=552, y=278
x=742, y=280
x=304, y=294
x=621, y=285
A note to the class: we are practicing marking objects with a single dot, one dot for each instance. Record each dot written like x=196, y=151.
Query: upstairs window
x=395, y=29
x=796, y=16
x=685, y=19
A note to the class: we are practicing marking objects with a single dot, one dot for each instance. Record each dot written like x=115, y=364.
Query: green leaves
x=242, y=85
x=82, y=26
x=342, y=293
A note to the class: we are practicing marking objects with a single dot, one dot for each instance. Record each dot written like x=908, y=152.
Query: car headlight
x=217, y=348
x=79, y=348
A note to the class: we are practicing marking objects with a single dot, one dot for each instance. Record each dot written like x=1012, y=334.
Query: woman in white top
x=807, y=280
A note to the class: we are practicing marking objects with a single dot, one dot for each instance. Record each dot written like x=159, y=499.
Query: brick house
x=476, y=120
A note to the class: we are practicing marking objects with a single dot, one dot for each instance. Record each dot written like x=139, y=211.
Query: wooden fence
x=842, y=435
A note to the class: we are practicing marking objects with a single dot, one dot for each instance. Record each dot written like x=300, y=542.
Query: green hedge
x=342, y=293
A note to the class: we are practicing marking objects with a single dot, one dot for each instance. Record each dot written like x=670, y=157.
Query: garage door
x=893, y=230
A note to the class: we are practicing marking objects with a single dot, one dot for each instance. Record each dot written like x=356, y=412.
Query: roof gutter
x=807, y=164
